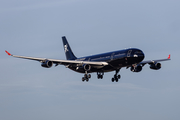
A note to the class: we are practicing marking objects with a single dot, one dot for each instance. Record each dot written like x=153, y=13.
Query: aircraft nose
x=139, y=54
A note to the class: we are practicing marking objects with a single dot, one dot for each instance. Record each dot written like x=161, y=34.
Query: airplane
x=106, y=62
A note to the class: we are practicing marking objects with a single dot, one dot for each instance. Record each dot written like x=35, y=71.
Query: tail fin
x=69, y=54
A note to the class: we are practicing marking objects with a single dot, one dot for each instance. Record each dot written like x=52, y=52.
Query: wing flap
x=78, y=62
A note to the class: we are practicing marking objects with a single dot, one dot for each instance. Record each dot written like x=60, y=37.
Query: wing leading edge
x=61, y=62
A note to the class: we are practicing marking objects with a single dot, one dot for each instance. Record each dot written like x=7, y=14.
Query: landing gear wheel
x=116, y=77
x=83, y=79
x=100, y=75
x=86, y=77
x=89, y=75
x=112, y=79
x=119, y=76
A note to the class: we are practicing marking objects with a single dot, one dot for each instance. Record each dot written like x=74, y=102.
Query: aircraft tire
x=112, y=79
x=98, y=76
x=119, y=76
x=83, y=79
x=85, y=76
x=89, y=76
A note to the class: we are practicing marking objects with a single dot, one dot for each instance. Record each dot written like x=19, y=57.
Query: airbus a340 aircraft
x=112, y=61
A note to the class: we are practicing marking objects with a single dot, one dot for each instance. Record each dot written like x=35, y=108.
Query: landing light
x=135, y=55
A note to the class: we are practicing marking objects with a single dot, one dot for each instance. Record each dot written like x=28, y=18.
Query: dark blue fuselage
x=115, y=59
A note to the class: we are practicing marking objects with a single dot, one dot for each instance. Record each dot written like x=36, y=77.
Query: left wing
x=154, y=64
x=61, y=62
x=154, y=61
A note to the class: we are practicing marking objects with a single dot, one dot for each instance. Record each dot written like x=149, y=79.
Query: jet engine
x=47, y=64
x=136, y=68
x=87, y=67
x=155, y=66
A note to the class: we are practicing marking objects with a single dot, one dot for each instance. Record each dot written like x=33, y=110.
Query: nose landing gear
x=116, y=77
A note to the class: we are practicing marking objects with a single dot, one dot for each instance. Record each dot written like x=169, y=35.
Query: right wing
x=61, y=62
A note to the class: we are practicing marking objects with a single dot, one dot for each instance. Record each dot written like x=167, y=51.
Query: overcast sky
x=34, y=28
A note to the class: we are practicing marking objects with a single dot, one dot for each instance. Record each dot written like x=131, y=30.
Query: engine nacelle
x=136, y=69
x=155, y=66
x=47, y=64
x=87, y=67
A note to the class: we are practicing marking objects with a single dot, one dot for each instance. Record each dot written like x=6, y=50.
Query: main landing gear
x=100, y=75
x=116, y=77
x=86, y=77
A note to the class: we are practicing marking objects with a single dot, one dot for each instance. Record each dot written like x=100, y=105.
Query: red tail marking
x=7, y=52
x=169, y=56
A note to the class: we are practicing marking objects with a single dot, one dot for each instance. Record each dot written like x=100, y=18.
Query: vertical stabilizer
x=67, y=49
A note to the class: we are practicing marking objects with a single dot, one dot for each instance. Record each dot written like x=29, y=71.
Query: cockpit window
x=138, y=52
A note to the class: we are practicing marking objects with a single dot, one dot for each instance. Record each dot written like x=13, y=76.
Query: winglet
x=8, y=53
x=169, y=57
